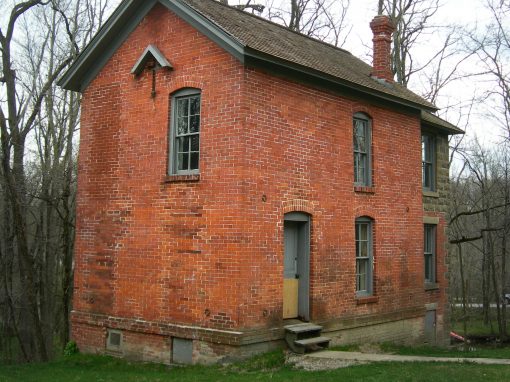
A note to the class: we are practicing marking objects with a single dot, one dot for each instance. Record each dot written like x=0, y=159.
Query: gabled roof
x=429, y=119
x=251, y=39
x=151, y=52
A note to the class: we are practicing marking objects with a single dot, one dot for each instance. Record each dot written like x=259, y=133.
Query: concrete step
x=313, y=341
x=301, y=332
x=305, y=337
x=302, y=328
x=308, y=345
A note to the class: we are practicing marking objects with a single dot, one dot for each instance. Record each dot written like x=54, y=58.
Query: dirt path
x=325, y=360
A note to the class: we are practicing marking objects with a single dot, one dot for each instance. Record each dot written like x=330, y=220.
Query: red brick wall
x=299, y=147
x=89, y=338
x=144, y=247
x=210, y=252
x=146, y=347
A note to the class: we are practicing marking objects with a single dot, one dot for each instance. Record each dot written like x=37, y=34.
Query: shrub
x=71, y=348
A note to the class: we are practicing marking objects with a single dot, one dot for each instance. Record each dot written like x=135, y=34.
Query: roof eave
x=284, y=64
x=438, y=123
x=206, y=27
x=121, y=23
x=129, y=14
x=104, y=44
x=448, y=130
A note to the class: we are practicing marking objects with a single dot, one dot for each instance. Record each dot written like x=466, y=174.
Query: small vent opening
x=114, y=340
x=182, y=350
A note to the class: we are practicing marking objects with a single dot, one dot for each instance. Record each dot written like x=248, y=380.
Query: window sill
x=431, y=194
x=365, y=189
x=361, y=300
x=181, y=178
x=431, y=286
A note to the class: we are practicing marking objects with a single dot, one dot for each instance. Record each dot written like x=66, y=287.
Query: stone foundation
x=167, y=343
x=408, y=331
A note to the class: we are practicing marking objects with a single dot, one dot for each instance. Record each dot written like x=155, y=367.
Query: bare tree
x=321, y=19
x=247, y=5
x=492, y=48
x=16, y=122
x=411, y=19
x=433, y=72
x=479, y=219
x=37, y=129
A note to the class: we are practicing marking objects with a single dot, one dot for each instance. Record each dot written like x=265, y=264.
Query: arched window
x=184, y=145
x=364, y=256
x=361, y=145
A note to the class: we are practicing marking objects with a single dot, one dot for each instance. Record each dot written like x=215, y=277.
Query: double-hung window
x=427, y=159
x=185, y=132
x=429, y=245
x=362, y=161
x=364, y=256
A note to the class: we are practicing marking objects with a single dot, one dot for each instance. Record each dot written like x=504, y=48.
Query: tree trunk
x=462, y=290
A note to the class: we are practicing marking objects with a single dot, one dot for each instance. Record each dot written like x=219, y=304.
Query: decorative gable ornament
x=153, y=59
x=150, y=54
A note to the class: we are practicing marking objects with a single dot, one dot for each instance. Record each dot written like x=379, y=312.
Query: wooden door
x=290, y=278
x=296, y=277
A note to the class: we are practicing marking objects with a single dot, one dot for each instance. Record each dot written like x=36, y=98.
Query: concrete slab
x=366, y=357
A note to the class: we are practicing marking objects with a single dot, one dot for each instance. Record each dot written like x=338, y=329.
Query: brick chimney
x=382, y=28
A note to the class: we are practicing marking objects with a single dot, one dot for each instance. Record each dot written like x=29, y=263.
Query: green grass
x=269, y=367
x=475, y=327
x=9, y=350
x=267, y=362
x=473, y=351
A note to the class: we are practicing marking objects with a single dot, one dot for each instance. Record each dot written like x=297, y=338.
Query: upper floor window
x=427, y=160
x=429, y=245
x=364, y=256
x=185, y=132
x=362, y=162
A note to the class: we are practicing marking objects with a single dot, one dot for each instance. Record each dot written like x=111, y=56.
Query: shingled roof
x=432, y=120
x=275, y=40
x=248, y=37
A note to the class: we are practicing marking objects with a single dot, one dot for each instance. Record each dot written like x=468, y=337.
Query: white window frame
x=173, y=161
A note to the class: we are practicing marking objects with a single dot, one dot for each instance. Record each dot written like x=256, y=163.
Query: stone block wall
x=435, y=207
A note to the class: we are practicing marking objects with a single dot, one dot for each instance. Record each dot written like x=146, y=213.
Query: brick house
x=235, y=176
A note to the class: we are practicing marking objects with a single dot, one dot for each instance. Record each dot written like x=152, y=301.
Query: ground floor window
x=364, y=256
